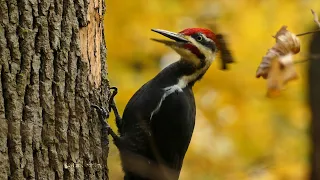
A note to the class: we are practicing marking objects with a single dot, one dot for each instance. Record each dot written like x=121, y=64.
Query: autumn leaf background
x=239, y=133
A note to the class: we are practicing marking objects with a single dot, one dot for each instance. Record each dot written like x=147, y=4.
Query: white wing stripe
x=167, y=91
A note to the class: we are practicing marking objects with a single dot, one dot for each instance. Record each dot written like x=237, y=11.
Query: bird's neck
x=188, y=74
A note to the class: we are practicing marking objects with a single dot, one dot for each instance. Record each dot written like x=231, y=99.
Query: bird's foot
x=113, y=107
x=106, y=129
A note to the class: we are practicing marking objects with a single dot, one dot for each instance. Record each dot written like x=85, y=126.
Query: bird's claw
x=114, y=88
x=103, y=115
x=113, y=107
x=111, y=100
x=103, y=112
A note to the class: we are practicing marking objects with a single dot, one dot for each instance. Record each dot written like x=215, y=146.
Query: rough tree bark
x=314, y=99
x=52, y=67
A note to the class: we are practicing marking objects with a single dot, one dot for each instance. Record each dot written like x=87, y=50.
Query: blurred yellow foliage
x=239, y=134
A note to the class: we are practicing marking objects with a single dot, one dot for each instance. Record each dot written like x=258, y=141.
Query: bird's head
x=195, y=45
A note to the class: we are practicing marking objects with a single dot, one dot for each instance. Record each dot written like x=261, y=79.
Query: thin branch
x=301, y=61
x=310, y=32
x=315, y=18
x=310, y=58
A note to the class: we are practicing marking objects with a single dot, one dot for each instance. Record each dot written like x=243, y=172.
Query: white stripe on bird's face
x=207, y=52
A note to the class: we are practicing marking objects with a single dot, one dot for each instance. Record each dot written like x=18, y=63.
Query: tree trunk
x=314, y=99
x=52, y=68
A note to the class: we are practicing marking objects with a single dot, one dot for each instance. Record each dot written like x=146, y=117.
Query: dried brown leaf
x=282, y=71
x=277, y=65
x=273, y=81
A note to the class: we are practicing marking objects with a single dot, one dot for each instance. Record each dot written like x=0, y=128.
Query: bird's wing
x=135, y=126
x=158, y=124
x=147, y=102
x=172, y=127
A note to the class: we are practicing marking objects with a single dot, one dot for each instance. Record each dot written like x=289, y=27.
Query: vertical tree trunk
x=52, y=68
x=314, y=99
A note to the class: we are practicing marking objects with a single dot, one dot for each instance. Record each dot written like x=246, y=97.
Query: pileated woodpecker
x=158, y=121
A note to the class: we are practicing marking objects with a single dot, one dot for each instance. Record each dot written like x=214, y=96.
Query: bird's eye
x=199, y=38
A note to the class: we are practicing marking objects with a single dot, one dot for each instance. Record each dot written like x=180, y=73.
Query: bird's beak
x=179, y=39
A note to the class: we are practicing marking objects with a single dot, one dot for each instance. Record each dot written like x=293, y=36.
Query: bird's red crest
x=204, y=31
